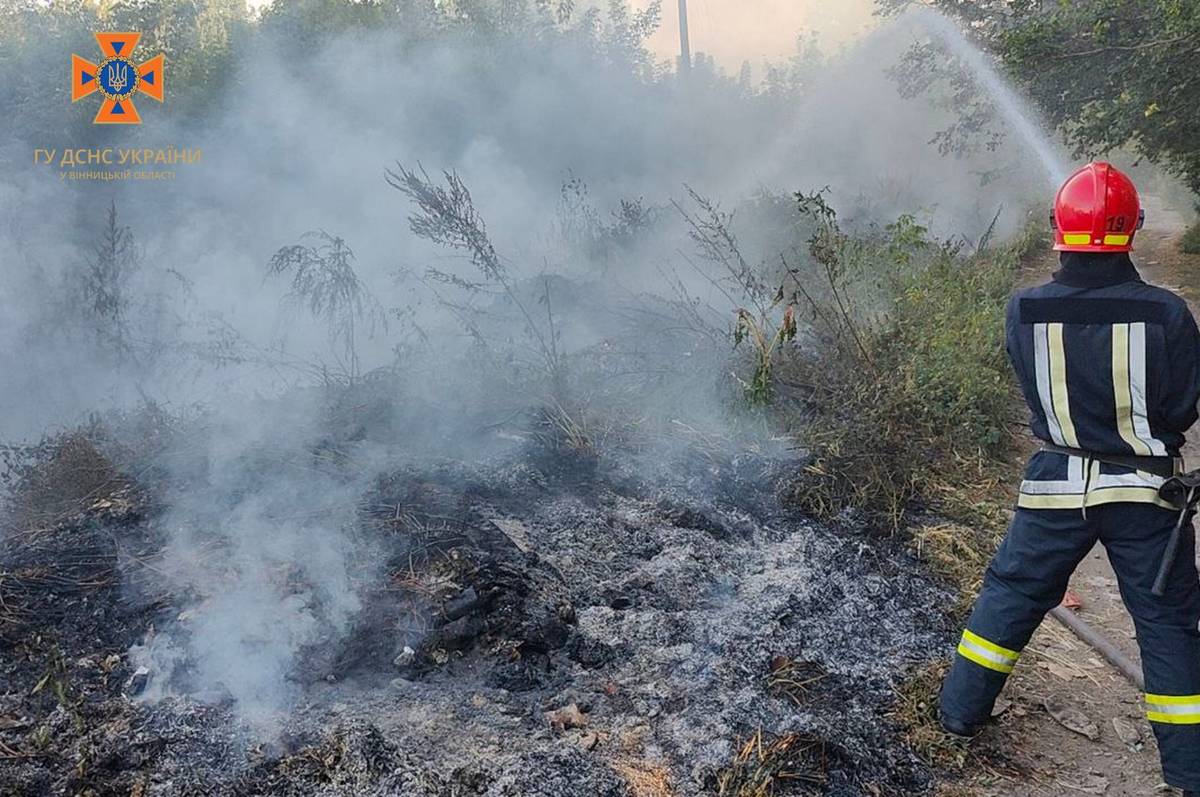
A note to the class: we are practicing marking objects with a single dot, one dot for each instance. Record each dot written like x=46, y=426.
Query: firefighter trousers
x=1028, y=577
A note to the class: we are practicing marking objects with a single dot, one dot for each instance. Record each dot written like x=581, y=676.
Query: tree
x=1109, y=73
x=104, y=285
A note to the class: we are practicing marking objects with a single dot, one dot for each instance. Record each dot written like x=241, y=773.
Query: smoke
x=260, y=524
x=261, y=544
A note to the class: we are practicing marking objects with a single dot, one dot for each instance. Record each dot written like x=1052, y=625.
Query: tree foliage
x=1109, y=73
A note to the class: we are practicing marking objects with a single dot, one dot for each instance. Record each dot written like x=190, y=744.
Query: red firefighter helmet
x=1097, y=210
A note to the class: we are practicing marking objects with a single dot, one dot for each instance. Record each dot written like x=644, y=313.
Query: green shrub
x=945, y=343
x=922, y=403
x=1190, y=243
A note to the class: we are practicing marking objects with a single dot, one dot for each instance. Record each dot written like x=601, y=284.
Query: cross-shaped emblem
x=118, y=78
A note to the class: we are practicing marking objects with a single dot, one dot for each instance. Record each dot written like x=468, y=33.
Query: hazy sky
x=734, y=31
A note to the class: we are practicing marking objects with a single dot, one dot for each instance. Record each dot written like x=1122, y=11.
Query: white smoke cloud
x=261, y=538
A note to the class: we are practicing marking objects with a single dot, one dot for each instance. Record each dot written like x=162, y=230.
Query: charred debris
x=551, y=563
x=539, y=621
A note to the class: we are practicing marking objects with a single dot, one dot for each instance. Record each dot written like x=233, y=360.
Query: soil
x=1057, y=665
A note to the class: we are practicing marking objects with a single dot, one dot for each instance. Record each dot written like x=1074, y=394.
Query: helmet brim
x=1092, y=248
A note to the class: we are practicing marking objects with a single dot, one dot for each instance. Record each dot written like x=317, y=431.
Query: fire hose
x=1108, y=650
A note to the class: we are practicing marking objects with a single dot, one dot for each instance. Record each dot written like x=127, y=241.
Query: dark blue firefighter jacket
x=1107, y=364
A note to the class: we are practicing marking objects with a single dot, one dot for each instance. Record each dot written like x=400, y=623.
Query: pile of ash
x=537, y=626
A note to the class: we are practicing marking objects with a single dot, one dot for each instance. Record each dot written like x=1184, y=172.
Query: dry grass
x=52, y=559
x=645, y=778
x=316, y=763
x=957, y=553
x=768, y=765
x=57, y=478
x=866, y=462
x=558, y=429
x=955, y=790
x=967, y=764
x=21, y=587
x=793, y=678
x=916, y=711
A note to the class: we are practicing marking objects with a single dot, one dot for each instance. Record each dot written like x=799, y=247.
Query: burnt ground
x=557, y=624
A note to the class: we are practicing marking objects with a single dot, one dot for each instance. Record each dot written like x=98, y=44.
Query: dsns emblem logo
x=118, y=78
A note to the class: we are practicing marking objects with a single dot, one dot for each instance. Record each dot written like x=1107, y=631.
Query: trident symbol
x=118, y=77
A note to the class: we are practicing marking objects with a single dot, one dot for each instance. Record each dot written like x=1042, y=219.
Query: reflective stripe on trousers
x=987, y=654
x=1173, y=709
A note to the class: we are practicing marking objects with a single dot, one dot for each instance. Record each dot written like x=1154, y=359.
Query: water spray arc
x=1015, y=110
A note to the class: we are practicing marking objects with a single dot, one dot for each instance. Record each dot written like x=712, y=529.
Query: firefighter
x=1110, y=369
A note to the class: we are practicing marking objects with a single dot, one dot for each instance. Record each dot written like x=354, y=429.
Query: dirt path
x=1059, y=667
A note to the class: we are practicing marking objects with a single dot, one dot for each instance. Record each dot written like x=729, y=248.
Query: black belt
x=1164, y=467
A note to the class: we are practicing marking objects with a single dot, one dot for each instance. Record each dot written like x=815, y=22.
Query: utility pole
x=685, y=46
